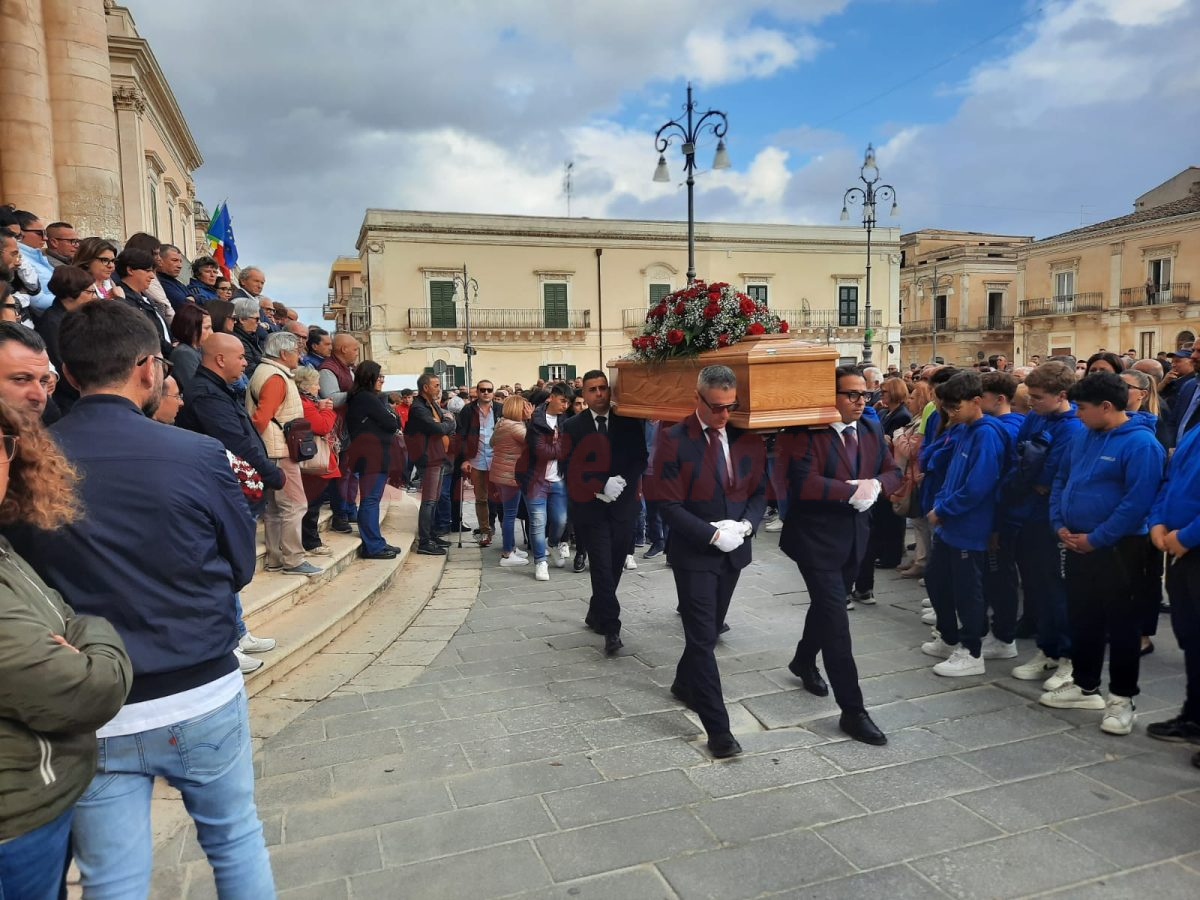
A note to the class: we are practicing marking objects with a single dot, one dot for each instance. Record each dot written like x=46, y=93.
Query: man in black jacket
x=606, y=459
x=427, y=436
x=711, y=490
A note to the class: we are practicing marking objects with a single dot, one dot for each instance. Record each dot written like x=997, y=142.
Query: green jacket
x=52, y=699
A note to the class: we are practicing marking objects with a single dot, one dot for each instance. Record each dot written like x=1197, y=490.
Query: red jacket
x=324, y=422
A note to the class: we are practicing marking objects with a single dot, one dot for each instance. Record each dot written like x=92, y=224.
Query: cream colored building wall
x=510, y=257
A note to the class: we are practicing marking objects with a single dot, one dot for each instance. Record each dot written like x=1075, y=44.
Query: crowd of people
x=149, y=424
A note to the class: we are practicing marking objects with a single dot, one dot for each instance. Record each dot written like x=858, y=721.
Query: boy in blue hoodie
x=1041, y=447
x=962, y=517
x=1000, y=574
x=1175, y=529
x=1099, y=505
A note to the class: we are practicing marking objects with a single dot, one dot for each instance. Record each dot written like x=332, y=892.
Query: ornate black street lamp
x=714, y=121
x=937, y=322
x=468, y=287
x=868, y=197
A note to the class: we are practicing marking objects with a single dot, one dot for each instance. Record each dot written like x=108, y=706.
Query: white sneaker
x=630, y=563
x=921, y=582
x=251, y=644
x=514, y=560
x=247, y=663
x=926, y=603
x=940, y=648
x=1064, y=675
x=1036, y=669
x=564, y=553
x=929, y=618
x=1118, y=715
x=994, y=649
x=773, y=527
x=517, y=551
x=541, y=571
x=960, y=663
x=1071, y=696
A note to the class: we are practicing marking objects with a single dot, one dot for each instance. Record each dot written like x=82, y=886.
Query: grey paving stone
x=522, y=780
x=642, y=883
x=543, y=659
x=493, y=872
x=552, y=715
x=517, y=748
x=969, y=701
x=654, y=756
x=622, y=798
x=404, y=696
x=304, y=821
x=767, y=865
x=909, y=685
x=383, y=717
x=781, y=710
x=1043, y=800
x=637, y=729
x=1141, y=834
x=325, y=753
x=334, y=705
x=399, y=768
x=472, y=638
x=450, y=731
x=738, y=819
x=1036, y=756
x=301, y=731
x=902, y=746
x=469, y=687
x=605, y=684
x=325, y=859
x=326, y=890
x=432, y=836
x=998, y=727
x=307, y=784
x=914, y=782
x=1046, y=861
x=739, y=775
x=616, y=845
x=650, y=698
x=892, y=883
x=1166, y=880
x=1145, y=777
x=905, y=833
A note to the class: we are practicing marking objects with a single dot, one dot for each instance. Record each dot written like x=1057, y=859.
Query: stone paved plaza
x=523, y=762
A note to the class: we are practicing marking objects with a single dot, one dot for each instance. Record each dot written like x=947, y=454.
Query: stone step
x=304, y=614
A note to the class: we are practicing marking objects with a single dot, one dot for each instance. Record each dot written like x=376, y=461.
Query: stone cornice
x=159, y=100
x=1107, y=235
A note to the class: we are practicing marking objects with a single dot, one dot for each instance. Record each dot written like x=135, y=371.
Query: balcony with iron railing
x=499, y=324
x=927, y=326
x=994, y=323
x=360, y=321
x=1156, y=295
x=797, y=319
x=1063, y=305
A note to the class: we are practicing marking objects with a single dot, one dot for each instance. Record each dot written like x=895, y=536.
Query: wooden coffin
x=782, y=381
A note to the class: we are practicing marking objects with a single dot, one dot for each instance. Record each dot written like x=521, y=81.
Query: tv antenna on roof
x=568, y=184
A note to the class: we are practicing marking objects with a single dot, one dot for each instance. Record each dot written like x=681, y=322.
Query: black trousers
x=1183, y=587
x=1103, y=613
x=606, y=543
x=310, y=535
x=1000, y=587
x=703, y=602
x=1148, y=588
x=827, y=631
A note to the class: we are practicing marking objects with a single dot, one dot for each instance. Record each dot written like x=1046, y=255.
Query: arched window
x=1184, y=337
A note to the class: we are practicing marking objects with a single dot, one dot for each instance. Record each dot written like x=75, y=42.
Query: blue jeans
x=368, y=512
x=241, y=624
x=954, y=578
x=344, y=502
x=208, y=759
x=33, y=866
x=656, y=528
x=552, y=495
x=510, y=494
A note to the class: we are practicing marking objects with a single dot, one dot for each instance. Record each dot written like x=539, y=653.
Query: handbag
x=318, y=464
x=301, y=441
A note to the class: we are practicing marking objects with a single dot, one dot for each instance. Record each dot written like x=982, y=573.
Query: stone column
x=27, y=177
x=86, y=161
x=130, y=105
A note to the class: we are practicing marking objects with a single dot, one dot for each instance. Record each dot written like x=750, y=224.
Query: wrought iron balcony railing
x=995, y=323
x=1063, y=305
x=926, y=326
x=360, y=321
x=422, y=317
x=796, y=318
x=1155, y=295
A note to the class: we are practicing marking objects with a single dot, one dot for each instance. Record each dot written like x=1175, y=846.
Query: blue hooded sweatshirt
x=935, y=456
x=1177, y=506
x=1107, y=483
x=1012, y=423
x=1055, y=431
x=966, y=502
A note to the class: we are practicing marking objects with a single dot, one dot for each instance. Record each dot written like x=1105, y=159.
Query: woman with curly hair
x=62, y=676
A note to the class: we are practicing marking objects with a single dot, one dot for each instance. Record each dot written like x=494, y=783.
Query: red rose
x=746, y=306
x=755, y=328
x=714, y=296
x=674, y=336
x=680, y=307
x=653, y=341
x=783, y=326
x=711, y=311
x=723, y=340
x=658, y=312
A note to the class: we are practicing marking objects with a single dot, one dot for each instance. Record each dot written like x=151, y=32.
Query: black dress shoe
x=724, y=628
x=441, y=542
x=1148, y=649
x=860, y=727
x=431, y=549
x=387, y=553
x=395, y=548
x=811, y=676
x=580, y=562
x=655, y=549
x=612, y=643
x=723, y=746
x=341, y=525
x=587, y=620
x=681, y=695
x=1178, y=730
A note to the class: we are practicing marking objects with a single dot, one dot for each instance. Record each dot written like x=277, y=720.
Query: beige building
x=1119, y=285
x=957, y=295
x=559, y=296
x=346, y=304
x=90, y=132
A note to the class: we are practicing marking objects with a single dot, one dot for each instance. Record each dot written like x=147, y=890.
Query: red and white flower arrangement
x=702, y=317
x=248, y=478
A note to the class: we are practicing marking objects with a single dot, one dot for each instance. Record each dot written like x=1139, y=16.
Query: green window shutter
x=657, y=292
x=460, y=376
x=442, y=313
x=429, y=370
x=544, y=373
x=570, y=373
x=555, y=299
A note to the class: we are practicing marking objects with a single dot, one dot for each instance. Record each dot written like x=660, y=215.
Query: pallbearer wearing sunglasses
x=834, y=476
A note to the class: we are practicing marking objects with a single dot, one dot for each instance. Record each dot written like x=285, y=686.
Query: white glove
x=743, y=527
x=865, y=494
x=613, y=488
x=727, y=538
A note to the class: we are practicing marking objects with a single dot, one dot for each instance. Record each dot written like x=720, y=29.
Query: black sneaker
x=440, y=541
x=341, y=525
x=431, y=549
x=1177, y=730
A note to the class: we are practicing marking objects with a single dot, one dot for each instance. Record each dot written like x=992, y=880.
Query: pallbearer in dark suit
x=606, y=459
x=711, y=488
x=834, y=476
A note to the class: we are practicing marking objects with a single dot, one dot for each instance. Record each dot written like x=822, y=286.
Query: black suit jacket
x=822, y=530
x=592, y=458
x=686, y=485
x=147, y=308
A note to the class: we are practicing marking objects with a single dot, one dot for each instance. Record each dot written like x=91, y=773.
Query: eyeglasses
x=38, y=231
x=485, y=390
x=9, y=446
x=719, y=408
x=13, y=306
x=92, y=290
x=74, y=241
x=166, y=363
x=107, y=260
x=853, y=396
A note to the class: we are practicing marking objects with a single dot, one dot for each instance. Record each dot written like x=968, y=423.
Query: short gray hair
x=872, y=373
x=245, y=308
x=278, y=341
x=246, y=270
x=306, y=375
x=716, y=377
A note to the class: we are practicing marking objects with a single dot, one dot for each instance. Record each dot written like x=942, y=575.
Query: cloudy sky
x=1022, y=116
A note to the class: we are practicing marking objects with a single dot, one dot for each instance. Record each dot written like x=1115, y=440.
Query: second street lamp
x=689, y=132
x=868, y=196
x=937, y=322
x=469, y=287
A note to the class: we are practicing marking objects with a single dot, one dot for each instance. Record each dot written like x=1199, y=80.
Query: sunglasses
x=718, y=408
x=41, y=232
x=485, y=390
x=853, y=396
